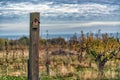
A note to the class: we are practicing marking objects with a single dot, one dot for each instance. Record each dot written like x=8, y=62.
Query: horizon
x=51, y=36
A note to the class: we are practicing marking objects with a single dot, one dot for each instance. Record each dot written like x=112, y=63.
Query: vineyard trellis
x=13, y=57
x=69, y=55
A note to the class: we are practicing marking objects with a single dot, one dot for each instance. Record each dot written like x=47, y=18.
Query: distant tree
x=24, y=40
x=2, y=43
x=58, y=40
x=42, y=41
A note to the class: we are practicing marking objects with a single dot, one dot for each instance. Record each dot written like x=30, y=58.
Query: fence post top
x=35, y=13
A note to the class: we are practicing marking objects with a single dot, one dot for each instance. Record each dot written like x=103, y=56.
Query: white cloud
x=72, y=27
x=62, y=25
x=85, y=24
x=49, y=7
x=14, y=26
x=100, y=23
x=23, y=27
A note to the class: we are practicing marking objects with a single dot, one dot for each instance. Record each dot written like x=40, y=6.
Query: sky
x=60, y=16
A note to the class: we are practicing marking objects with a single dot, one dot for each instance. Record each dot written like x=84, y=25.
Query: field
x=60, y=69
x=75, y=59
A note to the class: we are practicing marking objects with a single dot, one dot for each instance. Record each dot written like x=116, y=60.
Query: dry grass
x=58, y=66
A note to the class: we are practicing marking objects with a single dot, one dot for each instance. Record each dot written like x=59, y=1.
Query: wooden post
x=6, y=59
x=33, y=64
x=47, y=57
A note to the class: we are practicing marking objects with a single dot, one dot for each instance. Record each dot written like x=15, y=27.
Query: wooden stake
x=33, y=64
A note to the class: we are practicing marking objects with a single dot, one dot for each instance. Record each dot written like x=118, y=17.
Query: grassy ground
x=61, y=68
x=12, y=78
x=50, y=78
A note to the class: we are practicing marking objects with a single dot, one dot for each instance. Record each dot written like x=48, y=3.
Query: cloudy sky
x=60, y=16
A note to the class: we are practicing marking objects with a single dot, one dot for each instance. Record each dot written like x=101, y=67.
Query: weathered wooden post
x=47, y=57
x=33, y=62
x=6, y=59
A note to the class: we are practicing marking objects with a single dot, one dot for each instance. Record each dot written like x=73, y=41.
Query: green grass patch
x=13, y=78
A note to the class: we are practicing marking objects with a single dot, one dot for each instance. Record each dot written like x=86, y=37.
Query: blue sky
x=60, y=16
